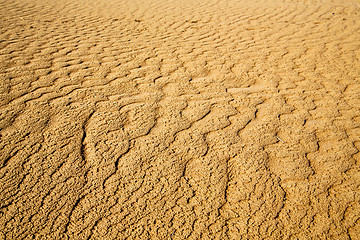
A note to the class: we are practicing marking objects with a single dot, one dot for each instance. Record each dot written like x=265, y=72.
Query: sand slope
x=180, y=119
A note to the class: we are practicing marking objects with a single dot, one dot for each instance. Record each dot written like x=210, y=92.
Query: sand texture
x=180, y=119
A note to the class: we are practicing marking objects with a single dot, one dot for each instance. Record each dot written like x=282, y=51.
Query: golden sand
x=180, y=119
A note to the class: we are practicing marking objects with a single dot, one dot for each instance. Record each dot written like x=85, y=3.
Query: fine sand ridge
x=180, y=119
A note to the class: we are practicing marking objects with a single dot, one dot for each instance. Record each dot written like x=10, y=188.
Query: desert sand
x=180, y=119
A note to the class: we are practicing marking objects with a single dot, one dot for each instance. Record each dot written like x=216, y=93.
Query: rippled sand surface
x=180, y=119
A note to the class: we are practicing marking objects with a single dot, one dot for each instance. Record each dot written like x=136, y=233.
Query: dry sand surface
x=180, y=119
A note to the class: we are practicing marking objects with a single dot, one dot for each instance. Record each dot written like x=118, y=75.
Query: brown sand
x=180, y=119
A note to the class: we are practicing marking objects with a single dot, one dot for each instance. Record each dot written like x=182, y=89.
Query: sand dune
x=180, y=119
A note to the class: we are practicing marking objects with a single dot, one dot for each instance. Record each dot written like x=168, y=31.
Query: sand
x=180, y=119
